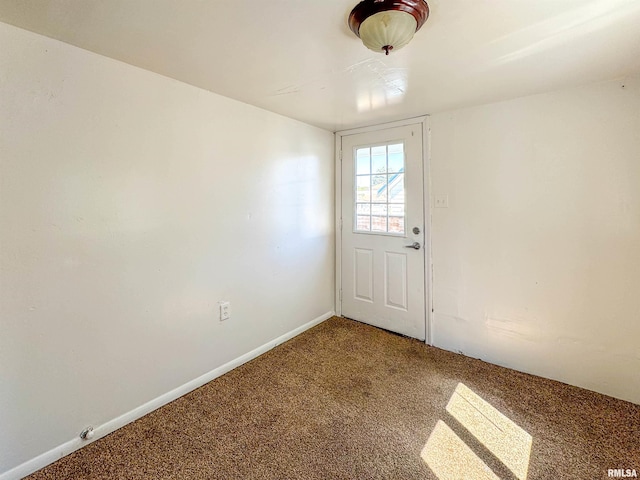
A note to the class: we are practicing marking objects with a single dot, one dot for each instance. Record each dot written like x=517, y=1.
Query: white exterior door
x=382, y=244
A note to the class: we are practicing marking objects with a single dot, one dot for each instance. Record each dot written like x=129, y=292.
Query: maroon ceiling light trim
x=418, y=8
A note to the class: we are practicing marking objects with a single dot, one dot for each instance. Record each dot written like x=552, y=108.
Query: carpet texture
x=348, y=401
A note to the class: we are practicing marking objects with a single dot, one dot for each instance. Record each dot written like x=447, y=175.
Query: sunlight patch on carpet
x=450, y=458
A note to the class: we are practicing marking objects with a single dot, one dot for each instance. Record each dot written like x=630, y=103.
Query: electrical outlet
x=225, y=311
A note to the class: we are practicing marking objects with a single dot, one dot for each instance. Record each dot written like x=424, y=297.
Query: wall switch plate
x=225, y=311
x=441, y=201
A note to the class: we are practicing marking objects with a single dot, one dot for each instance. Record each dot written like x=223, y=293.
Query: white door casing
x=382, y=280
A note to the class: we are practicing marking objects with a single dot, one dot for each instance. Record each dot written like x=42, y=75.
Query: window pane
x=379, y=159
x=363, y=161
x=397, y=210
x=379, y=188
x=363, y=190
x=396, y=188
x=396, y=158
x=396, y=224
x=378, y=224
x=379, y=209
x=363, y=223
x=363, y=209
x=395, y=148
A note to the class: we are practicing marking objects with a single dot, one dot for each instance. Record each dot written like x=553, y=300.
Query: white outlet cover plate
x=441, y=201
x=225, y=311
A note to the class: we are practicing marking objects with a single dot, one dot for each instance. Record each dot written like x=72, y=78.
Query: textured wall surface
x=537, y=258
x=130, y=205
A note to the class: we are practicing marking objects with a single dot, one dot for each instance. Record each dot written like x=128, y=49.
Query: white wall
x=130, y=204
x=537, y=258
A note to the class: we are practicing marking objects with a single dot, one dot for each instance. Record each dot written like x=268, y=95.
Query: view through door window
x=379, y=189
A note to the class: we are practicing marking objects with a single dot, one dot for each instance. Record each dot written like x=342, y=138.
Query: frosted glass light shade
x=388, y=30
x=387, y=25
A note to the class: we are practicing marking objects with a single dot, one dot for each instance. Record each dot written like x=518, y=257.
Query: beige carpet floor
x=348, y=401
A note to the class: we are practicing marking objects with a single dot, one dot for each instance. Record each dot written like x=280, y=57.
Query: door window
x=379, y=189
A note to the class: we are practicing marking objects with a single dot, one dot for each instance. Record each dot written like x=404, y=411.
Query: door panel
x=395, y=280
x=382, y=203
x=363, y=269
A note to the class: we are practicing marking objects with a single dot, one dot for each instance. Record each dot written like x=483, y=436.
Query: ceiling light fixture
x=385, y=25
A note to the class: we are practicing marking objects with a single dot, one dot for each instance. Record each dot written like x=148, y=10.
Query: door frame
x=426, y=181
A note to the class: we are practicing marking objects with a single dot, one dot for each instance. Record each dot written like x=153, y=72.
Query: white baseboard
x=41, y=461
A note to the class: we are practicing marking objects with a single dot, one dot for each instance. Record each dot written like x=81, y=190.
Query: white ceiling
x=299, y=58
